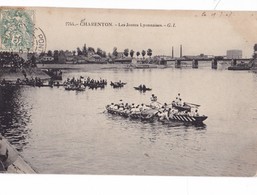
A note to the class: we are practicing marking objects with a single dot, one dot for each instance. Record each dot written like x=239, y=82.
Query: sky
x=210, y=33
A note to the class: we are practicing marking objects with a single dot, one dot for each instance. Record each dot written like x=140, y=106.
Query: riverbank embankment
x=17, y=163
x=8, y=75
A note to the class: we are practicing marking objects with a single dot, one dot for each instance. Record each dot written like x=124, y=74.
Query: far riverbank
x=90, y=67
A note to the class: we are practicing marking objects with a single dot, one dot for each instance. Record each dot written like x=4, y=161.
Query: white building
x=234, y=54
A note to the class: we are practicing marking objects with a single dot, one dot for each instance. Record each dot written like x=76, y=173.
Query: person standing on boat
x=179, y=102
x=178, y=99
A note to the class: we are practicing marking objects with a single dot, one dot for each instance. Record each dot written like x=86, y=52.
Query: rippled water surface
x=60, y=131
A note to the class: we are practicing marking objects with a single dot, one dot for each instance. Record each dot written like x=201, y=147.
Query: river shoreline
x=90, y=67
x=6, y=74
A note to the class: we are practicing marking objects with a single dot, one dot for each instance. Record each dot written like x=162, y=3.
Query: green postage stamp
x=16, y=29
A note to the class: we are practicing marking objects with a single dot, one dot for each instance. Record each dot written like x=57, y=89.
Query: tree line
x=89, y=51
x=126, y=52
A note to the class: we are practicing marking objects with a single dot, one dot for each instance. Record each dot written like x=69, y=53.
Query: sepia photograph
x=128, y=92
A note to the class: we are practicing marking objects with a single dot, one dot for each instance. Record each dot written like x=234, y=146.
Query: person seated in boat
x=135, y=110
x=196, y=113
x=121, y=107
x=193, y=113
x=82, y=79
x=144, y=87
x=116, y=107
x=140, y=87
x=161, y=114
x=111, y=106
x=144, y=107
x=171, y=113
x=121, y=102
x=132, y=110
x=153, y=98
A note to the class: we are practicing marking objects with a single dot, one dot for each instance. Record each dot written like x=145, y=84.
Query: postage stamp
x=16, y=29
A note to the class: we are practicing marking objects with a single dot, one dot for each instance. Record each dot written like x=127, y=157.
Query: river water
x=68, y=132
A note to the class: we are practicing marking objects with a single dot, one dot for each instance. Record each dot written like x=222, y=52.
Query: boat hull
x=151, y=115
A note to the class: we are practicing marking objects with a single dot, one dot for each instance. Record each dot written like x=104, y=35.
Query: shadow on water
x=14, y=116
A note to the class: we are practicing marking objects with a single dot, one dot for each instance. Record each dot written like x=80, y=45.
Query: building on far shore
x=234, y=54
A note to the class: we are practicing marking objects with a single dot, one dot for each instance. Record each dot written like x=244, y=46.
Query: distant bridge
x=214, y=61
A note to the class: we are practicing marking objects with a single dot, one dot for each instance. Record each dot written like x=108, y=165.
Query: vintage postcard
x=128, y=92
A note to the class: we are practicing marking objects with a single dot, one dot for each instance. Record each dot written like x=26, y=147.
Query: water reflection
x=14, y=116
x=153, y=130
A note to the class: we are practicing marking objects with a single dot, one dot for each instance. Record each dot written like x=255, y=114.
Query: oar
x=192, y=104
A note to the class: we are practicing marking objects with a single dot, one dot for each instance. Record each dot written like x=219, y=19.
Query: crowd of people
x=82, y=82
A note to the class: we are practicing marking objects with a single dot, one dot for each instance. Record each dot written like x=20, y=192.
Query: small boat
x=117, y=84
x=95, y=85
x=74, y=88
x=69, y=88
x=145, y=66
x=180, y=108
x=240, y=66
x=142, y=89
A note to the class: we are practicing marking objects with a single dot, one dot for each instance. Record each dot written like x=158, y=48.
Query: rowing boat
x=142, y=89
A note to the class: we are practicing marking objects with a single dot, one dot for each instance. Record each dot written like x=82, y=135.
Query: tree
x=99, y=52
x=79, y=52
x=73, y=52
x=138, y=54
x=91, y=50
x=143, y=53
x=84, y=50
x=126, y=52
x=149, y=52
x=131, y=53
x=104, y=54
x=56, y=54
x=115, y=53
x=42, y=54
x=255, y=47
x=49, y=53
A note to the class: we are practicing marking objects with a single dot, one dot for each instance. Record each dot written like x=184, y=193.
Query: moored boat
x=240, y=66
